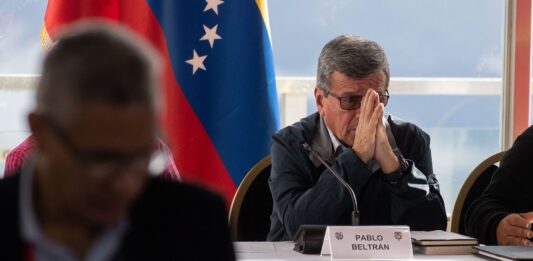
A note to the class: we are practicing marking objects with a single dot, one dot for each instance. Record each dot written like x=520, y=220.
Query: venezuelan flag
x=219, y=87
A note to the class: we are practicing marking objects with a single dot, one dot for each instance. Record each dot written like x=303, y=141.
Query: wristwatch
x=394, y=177
x=404, y=164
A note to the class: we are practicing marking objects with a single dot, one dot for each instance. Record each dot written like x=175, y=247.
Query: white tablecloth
x=280, y=251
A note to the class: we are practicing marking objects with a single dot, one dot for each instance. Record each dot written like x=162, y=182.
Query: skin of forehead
x=346, y=85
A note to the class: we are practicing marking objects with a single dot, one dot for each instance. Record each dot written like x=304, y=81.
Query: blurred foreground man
x=503, y=214
x=87, y=193
x=387, y=162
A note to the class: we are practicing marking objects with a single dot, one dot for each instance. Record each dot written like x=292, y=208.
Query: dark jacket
x=508, y=192
x=304, y=192
x=169, y=221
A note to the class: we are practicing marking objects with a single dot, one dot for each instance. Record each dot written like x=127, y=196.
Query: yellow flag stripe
x=263, y=8
x=46, y=41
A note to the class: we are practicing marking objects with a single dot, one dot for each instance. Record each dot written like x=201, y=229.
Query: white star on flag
x=210, y=35
x=213, y=5
x=196, y=62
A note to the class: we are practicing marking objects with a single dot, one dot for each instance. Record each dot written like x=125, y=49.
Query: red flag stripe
x=194, y=153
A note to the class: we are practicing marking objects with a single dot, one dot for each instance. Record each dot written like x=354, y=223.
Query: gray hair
x=353, y=56
x=97, y=62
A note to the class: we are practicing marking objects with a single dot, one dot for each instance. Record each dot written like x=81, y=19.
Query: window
x=20, y=54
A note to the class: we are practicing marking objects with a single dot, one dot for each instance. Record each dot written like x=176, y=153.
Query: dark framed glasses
x=101, y=164
x=353, y=102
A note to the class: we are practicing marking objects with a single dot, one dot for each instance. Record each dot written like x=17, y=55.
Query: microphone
x=355, y=212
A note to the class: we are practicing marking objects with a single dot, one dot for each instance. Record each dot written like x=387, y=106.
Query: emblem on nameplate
x=339, y=235
x=398, y=235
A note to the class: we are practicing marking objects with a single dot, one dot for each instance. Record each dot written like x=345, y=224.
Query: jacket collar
x=321, y=144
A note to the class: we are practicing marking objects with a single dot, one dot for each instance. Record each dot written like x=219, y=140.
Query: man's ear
x=37, y=128
x=319, y=99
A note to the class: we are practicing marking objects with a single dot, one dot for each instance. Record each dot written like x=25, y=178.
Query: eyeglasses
x=353, y=102
x=101, y=164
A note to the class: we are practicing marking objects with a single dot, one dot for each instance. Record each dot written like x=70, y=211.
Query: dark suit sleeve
x=297, y=197
x=416, y=199
x=508, y=192
x=10, y=239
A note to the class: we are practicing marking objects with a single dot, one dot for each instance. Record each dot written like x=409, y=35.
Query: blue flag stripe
x=235, y=97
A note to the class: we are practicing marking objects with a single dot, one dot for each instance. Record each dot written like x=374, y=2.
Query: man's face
x=96, y=164
x=342, y=122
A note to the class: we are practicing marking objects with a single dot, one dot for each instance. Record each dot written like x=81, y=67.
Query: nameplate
x=367, y=242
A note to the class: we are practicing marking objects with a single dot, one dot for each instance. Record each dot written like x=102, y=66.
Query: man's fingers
x=373, y=100
x=366, y=111
x=380, y=128
x=514, y=231
x=377, y=115
x=518, y=221
x=514, y=241
x=370, y=105
x=528, y=216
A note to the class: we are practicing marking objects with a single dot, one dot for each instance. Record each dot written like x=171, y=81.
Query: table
x=281, y=251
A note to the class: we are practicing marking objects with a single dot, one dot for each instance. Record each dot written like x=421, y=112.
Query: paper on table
x=254, y=247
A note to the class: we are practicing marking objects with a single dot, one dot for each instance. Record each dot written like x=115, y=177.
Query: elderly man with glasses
x=387, y=162
x=87, y=193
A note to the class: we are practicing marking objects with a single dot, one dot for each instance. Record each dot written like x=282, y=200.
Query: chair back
x=472, y=188
x=252, y=205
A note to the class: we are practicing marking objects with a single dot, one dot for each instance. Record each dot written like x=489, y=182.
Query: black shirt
x=509, y=191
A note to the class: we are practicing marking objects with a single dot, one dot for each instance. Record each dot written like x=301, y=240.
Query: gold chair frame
x=242, y=190
x=467, y=185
